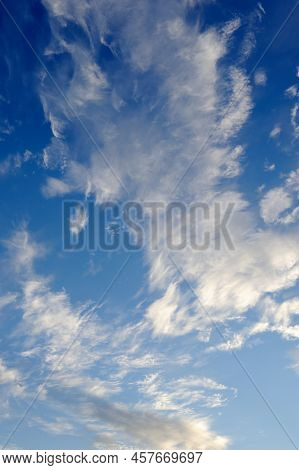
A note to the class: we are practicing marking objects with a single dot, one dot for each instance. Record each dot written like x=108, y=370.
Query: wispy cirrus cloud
x=170, y=129
x=196, y=108
x=49, y=324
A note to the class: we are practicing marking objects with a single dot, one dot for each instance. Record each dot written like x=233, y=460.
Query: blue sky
x=190, y=100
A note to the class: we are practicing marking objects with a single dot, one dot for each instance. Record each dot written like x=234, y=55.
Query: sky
x=104, y=102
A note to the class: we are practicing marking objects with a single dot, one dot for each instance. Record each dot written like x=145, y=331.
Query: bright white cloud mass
x=153, y=101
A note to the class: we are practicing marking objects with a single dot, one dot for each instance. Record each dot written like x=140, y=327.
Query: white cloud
x=59, y=426
x=194, y=93
x=292, y=91
x=11, y=378
x=49, y=319
x=180, y=394
x=7, y=375
x=275, y=132
x=239, y=106
x=260, y=5
x=7, y=299
x=248, y=44
x=274, y=202
x=55, y=187
x=275, y=317
x=269, y=166
x=227, y=283
x=152, y=431
x=50, y=323
x=231, y=26
x=294, y=119
x=292, y=180
x=55, y=155
x=258, y=266
x=14, y=162
x=188, y=89
x=23, y=251
x=78, y=220
x=50, y=313
x=278, y=200
x=169, y=314
x=281, y=317
x=260, y=78
x=290, y=217
x=295, y=359
x=6, y=128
